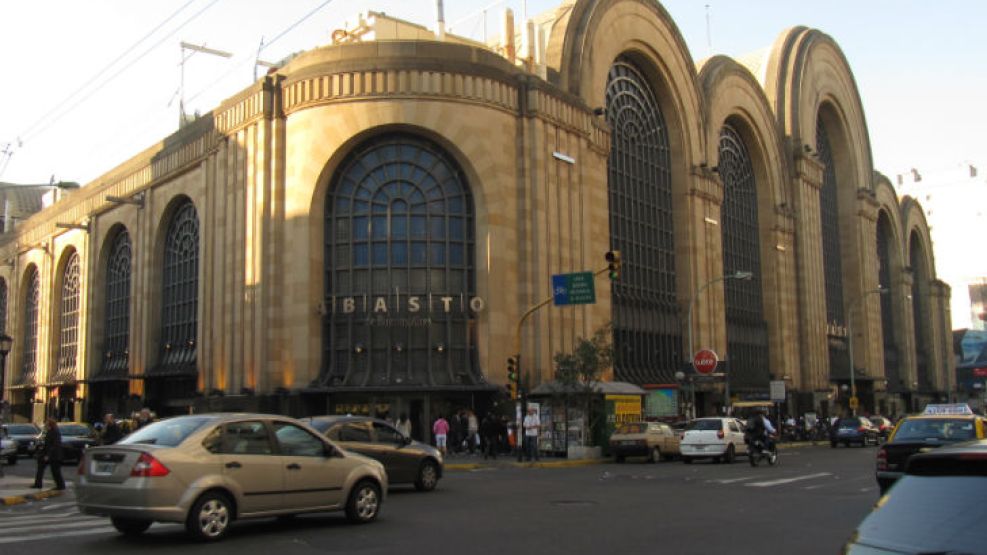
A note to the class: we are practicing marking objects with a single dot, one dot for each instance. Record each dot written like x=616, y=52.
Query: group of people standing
x=493, y=435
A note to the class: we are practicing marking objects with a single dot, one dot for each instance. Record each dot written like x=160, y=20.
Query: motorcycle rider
x=760, y=427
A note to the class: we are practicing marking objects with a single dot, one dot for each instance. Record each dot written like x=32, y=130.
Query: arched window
x=29, y=346
x=68, y=330
x=647, y=334
x=3, y=307
x=399, y=269
x=117, y=326
x=921, y=312
x=832, y=262
x=180, y=293
x=885, y=240
x=747, y=332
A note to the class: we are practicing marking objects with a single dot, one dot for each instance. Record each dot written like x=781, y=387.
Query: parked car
x=208, y=470
x=854, y=429
x=936, y=506
x=719, y=438
x=407, y=461
x=76, y=438
x=655, y=440
x=8, y=448
x=27, y=436
x=937, y=426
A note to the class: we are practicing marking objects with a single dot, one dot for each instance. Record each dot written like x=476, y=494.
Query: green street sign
x=575, y=288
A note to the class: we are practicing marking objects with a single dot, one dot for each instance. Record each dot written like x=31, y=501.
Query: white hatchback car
x=719, y=438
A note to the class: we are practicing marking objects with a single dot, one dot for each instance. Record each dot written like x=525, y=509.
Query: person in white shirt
x=532, y=425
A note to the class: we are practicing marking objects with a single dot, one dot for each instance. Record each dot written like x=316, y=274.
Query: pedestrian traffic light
x=613, y=265
x=513, y=376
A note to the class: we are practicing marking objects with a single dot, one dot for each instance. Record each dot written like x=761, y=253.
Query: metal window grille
x=747, y=331
x=399, y=231
x=832, y=261
x=647, y=335
x=884, y=242
x=117, y=325
x=29, y=347
x=68, y=331
x=180, y=287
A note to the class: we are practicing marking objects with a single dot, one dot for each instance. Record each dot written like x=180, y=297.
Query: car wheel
x=130, y=526
x=656, y=454
x=730, y=455
x=428, y=476
x=686, y=460
x=364, y=503
x=210, y=516
x=832, y=444
x=619, y=459
x=12, y=460
x=753, y=459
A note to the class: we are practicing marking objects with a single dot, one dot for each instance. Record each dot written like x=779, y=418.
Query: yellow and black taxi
x=936, y=426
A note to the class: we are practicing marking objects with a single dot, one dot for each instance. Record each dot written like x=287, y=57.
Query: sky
x=88, y=84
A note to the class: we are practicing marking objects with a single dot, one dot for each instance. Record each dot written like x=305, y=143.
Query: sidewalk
x=15, y=490
x=464, y=461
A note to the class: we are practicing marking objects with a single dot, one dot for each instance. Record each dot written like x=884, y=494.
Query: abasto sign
x=403, y=311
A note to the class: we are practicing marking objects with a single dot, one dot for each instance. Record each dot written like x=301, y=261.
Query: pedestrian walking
x=143, y=419
x=50, y=453
x=472, y=431
x=111, y=432
x=404, y=425
x=532, y=425
x=489, y=429
x=441, y=431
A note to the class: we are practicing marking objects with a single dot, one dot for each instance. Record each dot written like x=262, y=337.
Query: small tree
x=578, y=373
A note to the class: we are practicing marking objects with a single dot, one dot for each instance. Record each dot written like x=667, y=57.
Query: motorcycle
x=757, y=450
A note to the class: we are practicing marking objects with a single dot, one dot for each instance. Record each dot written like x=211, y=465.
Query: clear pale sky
x=82, y=92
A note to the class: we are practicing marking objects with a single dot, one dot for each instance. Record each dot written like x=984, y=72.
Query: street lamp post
x=849, y=345
x=689, y=352
x=690, y=396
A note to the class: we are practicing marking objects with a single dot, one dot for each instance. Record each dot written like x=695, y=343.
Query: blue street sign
x=576, y=288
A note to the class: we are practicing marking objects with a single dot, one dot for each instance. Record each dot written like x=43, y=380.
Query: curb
x=41, y=495
x=515, y=464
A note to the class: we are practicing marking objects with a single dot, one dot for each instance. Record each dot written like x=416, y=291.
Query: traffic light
x=513, y=376
x=613, y=265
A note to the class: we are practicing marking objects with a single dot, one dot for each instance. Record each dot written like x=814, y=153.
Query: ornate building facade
x=362, y=229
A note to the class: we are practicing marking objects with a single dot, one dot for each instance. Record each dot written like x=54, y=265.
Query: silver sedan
x=207, y=470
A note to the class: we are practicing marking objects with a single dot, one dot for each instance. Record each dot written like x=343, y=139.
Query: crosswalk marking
x=49, y=535
x=730, y=480
x=74, y=523
x=787, y=480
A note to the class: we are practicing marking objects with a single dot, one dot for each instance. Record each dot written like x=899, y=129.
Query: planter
x=582, y=452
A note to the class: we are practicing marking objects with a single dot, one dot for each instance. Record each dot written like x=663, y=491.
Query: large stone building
x=362, y=230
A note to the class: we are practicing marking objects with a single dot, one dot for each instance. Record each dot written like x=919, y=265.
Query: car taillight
x=682, y=437
x=882, y=459
x=861, y=429
x=719, y=434
x=148, y=467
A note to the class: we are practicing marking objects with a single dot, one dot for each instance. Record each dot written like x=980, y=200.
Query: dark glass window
x=29, y=347
x=3, y=306
x=747, y=332
x=68, y=344
x=647, y=333
x=920, y=311
x=399, y=268
x=117, y=326
x=891, y=356
x=180, y=287
x=832, y=261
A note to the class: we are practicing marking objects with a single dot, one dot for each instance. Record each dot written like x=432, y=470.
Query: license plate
x=700, y=447
x=104, y=468
x=628, y=442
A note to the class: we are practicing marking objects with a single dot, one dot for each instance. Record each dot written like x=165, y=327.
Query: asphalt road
x=810, y=503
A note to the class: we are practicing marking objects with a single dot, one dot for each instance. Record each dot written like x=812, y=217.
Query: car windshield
x=22, y=429
x=168, y=432
x=320, y=425
x=631, y=428
x=849, y=423
x=713, y=424
x=938, y=429
x=74, y=430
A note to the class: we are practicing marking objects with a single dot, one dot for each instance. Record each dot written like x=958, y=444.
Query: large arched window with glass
x=829, y=216
x=885, y=244
x=747, y=331
x=68, y=321
x=29, y=346
x=3, y=307
x=180, y=293
x=399, y=269
x=117, y=310
x=647, y=334
x=921, y=312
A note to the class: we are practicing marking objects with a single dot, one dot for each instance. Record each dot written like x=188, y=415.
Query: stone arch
x=104, y=251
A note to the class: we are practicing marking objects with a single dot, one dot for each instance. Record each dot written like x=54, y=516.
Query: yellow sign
x=626, y=408
x=854, y=403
